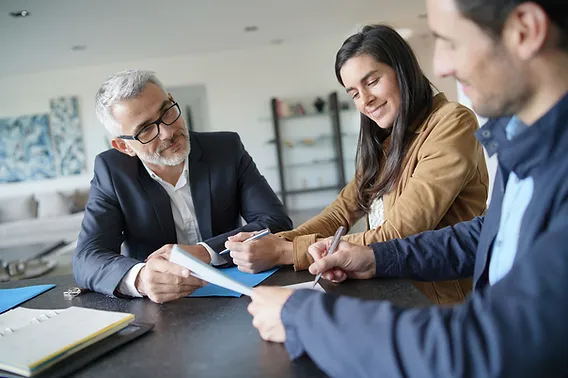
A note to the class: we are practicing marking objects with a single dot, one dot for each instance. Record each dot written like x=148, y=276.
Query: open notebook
x=33, y=340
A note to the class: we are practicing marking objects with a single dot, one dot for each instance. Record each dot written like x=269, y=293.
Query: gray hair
x=122, y=85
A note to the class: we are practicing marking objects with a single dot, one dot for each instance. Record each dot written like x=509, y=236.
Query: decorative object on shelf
x=299, y=110
x=67, y=136
x=319, y=104
x=283, y=108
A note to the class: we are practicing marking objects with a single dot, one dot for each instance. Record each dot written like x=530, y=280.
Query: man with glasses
x=162, y=185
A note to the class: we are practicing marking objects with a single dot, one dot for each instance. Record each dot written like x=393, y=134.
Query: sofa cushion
x=54, y=204
x=80, y=198
x=17, y=208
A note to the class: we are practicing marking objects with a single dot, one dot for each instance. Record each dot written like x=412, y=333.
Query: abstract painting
x=25, y=149
x=66, y=133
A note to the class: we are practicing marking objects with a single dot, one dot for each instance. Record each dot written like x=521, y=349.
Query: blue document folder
x=247, y=279
x=10, y=298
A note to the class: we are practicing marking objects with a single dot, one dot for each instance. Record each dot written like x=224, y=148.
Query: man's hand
x=266, y=306
x=163, y=281
x=348, y=260
x=198, y=251
x=260, y=254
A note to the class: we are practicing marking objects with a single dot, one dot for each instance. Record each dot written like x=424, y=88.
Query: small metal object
x=72, y=292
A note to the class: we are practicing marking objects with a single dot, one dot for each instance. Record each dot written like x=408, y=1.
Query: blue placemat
x=248, y=279
x=10, y=298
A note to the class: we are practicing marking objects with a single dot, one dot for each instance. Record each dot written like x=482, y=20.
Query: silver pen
x=332, y=247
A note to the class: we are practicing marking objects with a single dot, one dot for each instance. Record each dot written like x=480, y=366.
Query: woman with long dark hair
x=419, y=165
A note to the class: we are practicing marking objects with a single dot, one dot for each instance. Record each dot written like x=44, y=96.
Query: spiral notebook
x=34, y=340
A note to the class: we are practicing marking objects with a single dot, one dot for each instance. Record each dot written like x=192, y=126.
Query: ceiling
x=123, y=30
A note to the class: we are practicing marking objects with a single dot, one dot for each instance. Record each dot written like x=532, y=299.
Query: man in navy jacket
x=512, y=58
x=163, y=185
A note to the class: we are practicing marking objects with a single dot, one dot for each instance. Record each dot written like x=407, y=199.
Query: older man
x=162, y=185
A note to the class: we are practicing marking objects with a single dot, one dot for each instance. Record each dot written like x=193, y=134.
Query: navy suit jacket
x=517, y=327
x=127, y=208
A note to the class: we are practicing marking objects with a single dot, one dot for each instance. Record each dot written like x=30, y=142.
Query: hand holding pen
x=335, y=241
x=255, y=235
x=254, y=252
x=344, y=261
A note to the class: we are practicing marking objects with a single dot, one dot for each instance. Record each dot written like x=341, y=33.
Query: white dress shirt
x=187, y=229
x=518, y=195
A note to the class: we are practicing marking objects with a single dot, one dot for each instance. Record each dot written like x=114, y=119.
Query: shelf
x=308, y=142
x=307, y=115
x=311, y=190
x=328, y=136
x=306, y=164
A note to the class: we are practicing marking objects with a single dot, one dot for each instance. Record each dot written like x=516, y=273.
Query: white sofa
x=41, y=218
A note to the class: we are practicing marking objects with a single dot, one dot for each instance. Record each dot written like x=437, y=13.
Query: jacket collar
x=541, y=142
x=200, y=183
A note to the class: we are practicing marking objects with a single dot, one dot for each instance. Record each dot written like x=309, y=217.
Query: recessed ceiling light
x=249, y=29
x=78, y=48
x=22, y=13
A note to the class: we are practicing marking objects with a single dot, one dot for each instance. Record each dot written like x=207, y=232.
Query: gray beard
x=157, y=159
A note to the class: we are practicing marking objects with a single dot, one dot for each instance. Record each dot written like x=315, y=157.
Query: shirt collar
x=541, y=142
x=514, y=128
x=184, y=174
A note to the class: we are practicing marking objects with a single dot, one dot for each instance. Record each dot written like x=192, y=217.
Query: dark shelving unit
x=332, y=112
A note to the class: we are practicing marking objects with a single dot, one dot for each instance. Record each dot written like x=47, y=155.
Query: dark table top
x=206, y=337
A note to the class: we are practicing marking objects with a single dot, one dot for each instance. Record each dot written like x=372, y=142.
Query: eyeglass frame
x=156, y=122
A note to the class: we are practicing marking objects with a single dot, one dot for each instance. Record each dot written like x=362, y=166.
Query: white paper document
x=215, y=276
x=206, y=272
x=306, y=285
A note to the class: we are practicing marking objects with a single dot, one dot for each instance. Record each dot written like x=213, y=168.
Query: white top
x=187, y=229
x=376, y=213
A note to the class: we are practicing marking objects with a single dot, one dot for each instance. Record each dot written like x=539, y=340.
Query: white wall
x=491, y=161
x=239, y=85
x=423, y=47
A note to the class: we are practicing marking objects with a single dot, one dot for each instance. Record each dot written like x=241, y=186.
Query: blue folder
x=248, y=279
x=10, y=298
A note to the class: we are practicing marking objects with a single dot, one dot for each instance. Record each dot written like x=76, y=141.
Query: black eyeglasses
x=152, y=130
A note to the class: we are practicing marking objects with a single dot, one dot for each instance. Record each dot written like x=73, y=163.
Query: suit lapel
x=199, y=180
x=160, y=201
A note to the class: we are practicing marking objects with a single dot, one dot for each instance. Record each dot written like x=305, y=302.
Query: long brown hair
x=386, y=46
